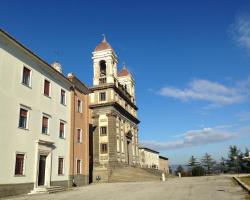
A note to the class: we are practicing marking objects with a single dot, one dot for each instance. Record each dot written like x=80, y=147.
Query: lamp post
x=237, y=163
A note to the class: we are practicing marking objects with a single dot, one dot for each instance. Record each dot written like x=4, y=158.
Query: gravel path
x=198, y=188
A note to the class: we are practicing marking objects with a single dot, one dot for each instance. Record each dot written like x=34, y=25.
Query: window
x=46, y=90
x=78, y=166
x=104, y=148
x=103, y=130
x=102, y=96
x=23, y=117
x=19, y=167
x=45, y=125
x=79, y=136
x=60, y=166
x=79, y=106
x=102, y=68
x=63, y=98
x=26, y=76
x=62, y=130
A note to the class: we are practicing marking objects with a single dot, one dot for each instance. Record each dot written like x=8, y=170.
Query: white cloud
x=193, y=138
x=241, y=31
x=215, y=93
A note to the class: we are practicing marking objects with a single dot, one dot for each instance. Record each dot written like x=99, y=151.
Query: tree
x=223, y=165
x=198, y=171
x=208, y=163
x=233, y=161
x=179, y=170
x=243, y=164
x=192, y=162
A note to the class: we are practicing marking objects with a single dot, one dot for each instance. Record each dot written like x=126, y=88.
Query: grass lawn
x=246, y=180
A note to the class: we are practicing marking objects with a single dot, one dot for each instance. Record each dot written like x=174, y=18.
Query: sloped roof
x=124, y=71
x=104, y=45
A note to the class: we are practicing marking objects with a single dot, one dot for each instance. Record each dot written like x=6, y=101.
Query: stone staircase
x=47, y=190
x=132, y=174
x=153, y=171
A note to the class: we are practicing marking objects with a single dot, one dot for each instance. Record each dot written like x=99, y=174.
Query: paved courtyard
x=200, y=188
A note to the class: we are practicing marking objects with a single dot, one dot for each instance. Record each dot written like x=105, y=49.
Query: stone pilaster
x=112, y=138
x=96, y=145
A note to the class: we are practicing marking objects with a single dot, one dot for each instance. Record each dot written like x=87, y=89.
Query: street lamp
x=236, y=163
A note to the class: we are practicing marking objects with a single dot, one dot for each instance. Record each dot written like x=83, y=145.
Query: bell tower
x=113, y=113
x=104, y=63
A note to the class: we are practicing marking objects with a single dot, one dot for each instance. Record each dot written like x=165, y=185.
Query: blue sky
x=190, y=60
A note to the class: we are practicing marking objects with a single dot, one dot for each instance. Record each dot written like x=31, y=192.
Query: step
x=47, y=190
x=131, y=174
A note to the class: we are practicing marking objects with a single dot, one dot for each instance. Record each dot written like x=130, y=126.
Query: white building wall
x=12, y=94
x=148, y=158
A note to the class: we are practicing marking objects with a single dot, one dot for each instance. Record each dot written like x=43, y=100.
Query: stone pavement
x=193, y=188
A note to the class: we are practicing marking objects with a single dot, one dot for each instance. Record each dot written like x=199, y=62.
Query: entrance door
x=128, y=151
x=42, y=166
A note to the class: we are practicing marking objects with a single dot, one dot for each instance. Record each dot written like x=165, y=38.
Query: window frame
x=27, y=117
x=65, y=99
x=77, y=108
x=30, y=76
x=101, y=150
x=48, y=117
x=101, y=132
x=63, y=166
x=81, y=135
x=100, y=94
x=24, y=164
x=77, y=159
x=49, y=95
x=64, y=129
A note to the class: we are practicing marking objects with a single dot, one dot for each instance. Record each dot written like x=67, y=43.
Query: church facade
x=114, y=114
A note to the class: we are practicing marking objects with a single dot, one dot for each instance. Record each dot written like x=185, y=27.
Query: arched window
x=102, y=68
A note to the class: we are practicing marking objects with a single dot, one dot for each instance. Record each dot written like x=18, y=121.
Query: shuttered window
x=61, y=130
x=46, y=88
x=26, y=76
x=19, y=167
x=60, y=166
x=23, y=118
x=45, y=124
x=63, y=97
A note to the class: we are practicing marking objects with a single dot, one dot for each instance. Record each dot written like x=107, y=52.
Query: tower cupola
x=104, y=63
x=57, y=66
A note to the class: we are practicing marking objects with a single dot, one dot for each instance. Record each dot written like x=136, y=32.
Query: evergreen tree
x=208, y=163
x=234, y=156
x=192, y=162
x=198, y=171
x=223, y=165
x=244, y=165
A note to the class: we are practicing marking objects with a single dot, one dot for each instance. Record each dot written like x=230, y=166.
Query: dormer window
x=102, y=68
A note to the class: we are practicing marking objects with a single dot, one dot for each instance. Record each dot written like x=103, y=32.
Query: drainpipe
x=73, y=140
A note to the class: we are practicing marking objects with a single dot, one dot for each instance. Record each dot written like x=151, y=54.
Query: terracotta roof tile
x=103, y=46
x=124, y=72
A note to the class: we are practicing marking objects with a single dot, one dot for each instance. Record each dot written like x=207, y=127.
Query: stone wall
x=80, y=180
x=15, y=189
